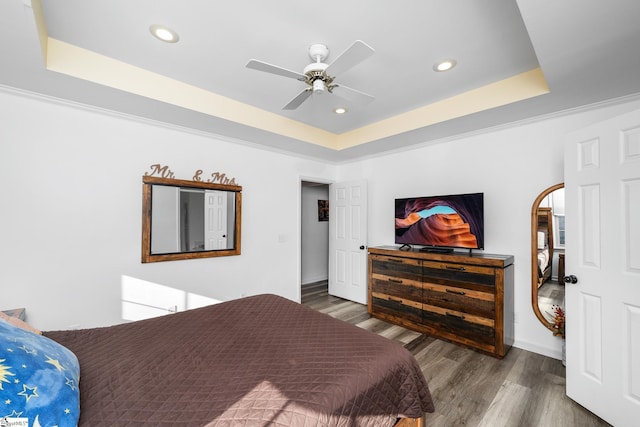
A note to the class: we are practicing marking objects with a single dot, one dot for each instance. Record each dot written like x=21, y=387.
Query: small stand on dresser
x=462, y=298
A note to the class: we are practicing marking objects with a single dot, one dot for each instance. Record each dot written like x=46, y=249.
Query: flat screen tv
x=441, y=222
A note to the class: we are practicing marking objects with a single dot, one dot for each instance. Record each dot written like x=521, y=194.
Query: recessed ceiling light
x=339, y=110
x=163, y=33
x=445, y=65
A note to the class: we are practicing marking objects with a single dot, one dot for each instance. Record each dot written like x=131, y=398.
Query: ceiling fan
x=320, y=76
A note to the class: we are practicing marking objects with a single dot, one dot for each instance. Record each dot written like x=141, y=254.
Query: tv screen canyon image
x=452, y=221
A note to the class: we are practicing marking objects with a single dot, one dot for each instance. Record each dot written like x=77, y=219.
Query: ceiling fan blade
x=299, y=99
x=274, y=69
x=355, y=54
x=352, y=95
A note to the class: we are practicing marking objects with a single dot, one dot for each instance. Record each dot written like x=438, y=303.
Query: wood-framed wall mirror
x=189, y=219
x=547, y=253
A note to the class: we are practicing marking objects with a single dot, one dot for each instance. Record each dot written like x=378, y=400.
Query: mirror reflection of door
x=548, y=239
x=215, y=225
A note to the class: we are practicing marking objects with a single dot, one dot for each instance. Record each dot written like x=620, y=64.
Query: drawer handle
x=395, y=260
x=457, y=316
x=391, y=279
x=448, y=267
x=394, y=299
x=450, y=291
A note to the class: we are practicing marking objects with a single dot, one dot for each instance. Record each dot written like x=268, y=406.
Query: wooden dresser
x=464, y=299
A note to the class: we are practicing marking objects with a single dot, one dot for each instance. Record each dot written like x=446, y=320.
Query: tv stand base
x=436, y=250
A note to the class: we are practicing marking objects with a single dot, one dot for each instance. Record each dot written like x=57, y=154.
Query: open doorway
x=314, y=233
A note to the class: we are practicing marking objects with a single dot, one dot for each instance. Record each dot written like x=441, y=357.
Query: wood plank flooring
x=549, y=294
x=469, y=388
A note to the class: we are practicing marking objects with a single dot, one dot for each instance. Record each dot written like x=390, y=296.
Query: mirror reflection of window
x=557, y=203
x=560, y=230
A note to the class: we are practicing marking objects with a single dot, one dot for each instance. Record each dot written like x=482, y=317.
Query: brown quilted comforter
x=256, y=361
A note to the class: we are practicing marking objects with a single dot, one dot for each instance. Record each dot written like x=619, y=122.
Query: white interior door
x=215, y=220
x=602, y=181
x=348, y=240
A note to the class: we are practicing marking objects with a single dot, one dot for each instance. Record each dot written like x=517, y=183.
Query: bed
x=256, y=361
x=545, y=244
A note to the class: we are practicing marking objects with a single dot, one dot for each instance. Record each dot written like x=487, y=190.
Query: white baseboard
x=555, y=352
x=309, y=280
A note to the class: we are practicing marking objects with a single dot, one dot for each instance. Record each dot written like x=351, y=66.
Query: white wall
x=510, y=166
x=315, y=235
x=70, y=222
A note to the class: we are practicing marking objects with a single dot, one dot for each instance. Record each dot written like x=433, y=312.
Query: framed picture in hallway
x=323, y=210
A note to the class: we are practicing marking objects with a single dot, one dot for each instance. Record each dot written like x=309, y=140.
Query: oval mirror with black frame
x=547, y=253
x=189, y=219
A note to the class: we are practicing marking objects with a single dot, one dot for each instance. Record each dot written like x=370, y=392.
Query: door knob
x=362, y=247
x=570, y=279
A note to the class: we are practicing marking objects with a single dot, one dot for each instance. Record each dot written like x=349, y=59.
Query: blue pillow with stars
x=38, y=379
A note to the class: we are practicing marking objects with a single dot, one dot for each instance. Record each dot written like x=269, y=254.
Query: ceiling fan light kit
x=318, y=86
x=319, y=76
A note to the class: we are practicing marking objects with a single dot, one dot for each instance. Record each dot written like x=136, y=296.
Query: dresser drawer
x=464, y=300
x=459, y=326
x=395, y=307
x=460, y=275
x=396, y=287
x=400, y=268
